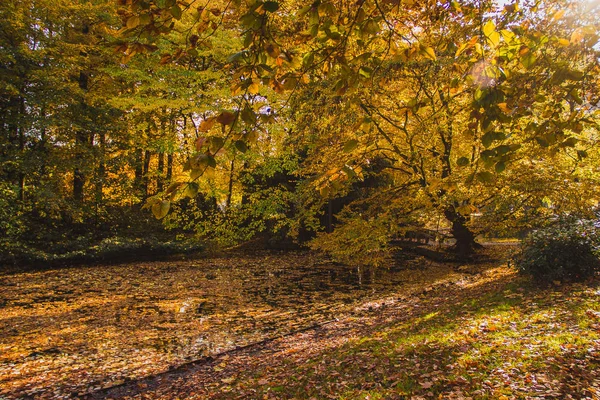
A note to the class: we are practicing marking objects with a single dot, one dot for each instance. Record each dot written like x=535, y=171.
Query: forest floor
x=291, y=325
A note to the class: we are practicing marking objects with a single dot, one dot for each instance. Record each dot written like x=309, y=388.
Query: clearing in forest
x=423, y=328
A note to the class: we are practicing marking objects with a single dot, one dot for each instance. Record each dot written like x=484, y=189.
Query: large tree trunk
x=465, y=239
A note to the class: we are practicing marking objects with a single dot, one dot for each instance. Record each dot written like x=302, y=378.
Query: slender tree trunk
x=145, y=170
x=101, y=171
x=21, y=150
x=161, y=172
x=138, y=170
x=329, y=216
x=169, y=167
x=230, y=188
x=78, y=174
x=81, y=140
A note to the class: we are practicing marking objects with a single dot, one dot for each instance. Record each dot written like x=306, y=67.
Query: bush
x=116, y=249
x=567, y=250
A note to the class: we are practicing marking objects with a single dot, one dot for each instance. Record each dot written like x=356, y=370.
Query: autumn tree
x=466, y=102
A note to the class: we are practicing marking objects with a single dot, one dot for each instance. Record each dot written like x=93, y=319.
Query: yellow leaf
x=428, y=52
x=577, y=36
x=253, y=89
x=133, y=22
x=161, y=209
x=558, y=15
x=504, y=107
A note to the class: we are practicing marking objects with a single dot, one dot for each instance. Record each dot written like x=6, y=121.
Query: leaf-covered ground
x=439, y=330
x=67, y=332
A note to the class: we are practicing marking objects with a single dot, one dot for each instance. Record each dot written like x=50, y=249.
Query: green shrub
x=567, y=250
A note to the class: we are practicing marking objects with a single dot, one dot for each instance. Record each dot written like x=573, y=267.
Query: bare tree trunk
x=21, y=150
x=161, y=172
x=145, y=170
x=78, y=174
x=230, y=188
x=101, y=171
x=169, y=167
x=80, y=142
x=139, y=170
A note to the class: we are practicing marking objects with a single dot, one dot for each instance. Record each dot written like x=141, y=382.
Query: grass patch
x=510, y=339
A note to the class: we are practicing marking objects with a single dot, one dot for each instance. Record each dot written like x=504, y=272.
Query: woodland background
x=338, y=124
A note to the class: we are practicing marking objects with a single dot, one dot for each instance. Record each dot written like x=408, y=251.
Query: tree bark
x=465, y=239
x=78, y=174
x=145, y=170
x=101, y=171
x=161, y=172
x=230, y=188
x=139, y=170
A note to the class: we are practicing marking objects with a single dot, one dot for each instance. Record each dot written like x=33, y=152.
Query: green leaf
x=132, y=22
x=488, y=154
x=500, y=167
x=248, y=116
x=488, y=139
x=463, y=162
x=485, y=177
x=575, y=96
x=541, y=141
x=176, y=12
x=308, y=60
x=145, y=19
x=173, y=187
x=365, y=71
x=528, y=60
x=350, y=145
x=570, y=142
x=371, y=27
x=212, y=162
x=241, y=146
x=196, y=173
x=191, y=190
x=216, y=143
x=502, y=149
x=271, y=6
x=236, y=57
x=161, y=209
